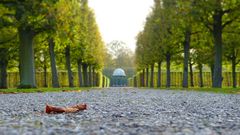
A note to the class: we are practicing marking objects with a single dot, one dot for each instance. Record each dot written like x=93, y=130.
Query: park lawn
x=40, y=90
x=211, y=90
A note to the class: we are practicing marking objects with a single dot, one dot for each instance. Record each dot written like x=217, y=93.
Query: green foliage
x=212, y=25
x=67, y=23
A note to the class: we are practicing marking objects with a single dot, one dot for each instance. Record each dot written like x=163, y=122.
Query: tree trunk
x=135, y=81
x=143, y=78
x=234, y=78
x=26, y=58
x=152, y=76
x=94, y=77
x=186, y=57
x=3, y=69
x=90, y=75
x=103, y=81
x=191, y=74
x=159, y=84
x=80, y=78
x=68, y=65
x=45, y=75
x=147, y=72
x=168, y=60
x=200, y=75
x=97, y=79
x=55, y=81
x=85, y=75
x=106, y=85
x=217, y=36
x=212, y=73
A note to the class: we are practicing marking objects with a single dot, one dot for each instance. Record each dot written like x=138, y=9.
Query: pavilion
x=119, y=78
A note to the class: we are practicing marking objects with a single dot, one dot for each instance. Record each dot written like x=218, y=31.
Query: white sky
x=121, y=19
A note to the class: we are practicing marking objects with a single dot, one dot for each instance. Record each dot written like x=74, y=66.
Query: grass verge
x=210, y=90
x=41, y=90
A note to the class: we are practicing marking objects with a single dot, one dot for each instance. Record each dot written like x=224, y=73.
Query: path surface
x=122, y=111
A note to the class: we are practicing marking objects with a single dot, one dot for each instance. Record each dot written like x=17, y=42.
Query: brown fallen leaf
x=71, y=109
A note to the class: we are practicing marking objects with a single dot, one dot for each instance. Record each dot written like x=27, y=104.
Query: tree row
x=194, y=33
x=49, y=35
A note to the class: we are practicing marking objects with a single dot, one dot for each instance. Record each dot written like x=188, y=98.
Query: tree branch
x=42, y=29
x=230, y=21
x=229, y=57
x=227, y=11
x=206, y=23
x=232, y=32
x=196, y=32
x=237, y=62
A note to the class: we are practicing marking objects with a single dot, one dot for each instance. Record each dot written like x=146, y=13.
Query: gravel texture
x=125, y=111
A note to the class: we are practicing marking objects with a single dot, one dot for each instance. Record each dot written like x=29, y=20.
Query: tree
x=68, y=30
x=41, y=56
x=185, y=28
x=140, y=55
x=216, y=15
x=8, y=39
x=170, y=45
x=231, y=52
x=30, y=17
x=158, y=38
x=202, y=51
x=55, y=80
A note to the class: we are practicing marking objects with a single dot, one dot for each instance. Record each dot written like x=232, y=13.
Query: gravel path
x=126, y=111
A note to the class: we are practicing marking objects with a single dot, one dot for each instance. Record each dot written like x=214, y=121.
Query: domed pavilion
x=119, y=78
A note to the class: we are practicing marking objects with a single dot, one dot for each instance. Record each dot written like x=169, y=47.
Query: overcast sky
x=121, y=19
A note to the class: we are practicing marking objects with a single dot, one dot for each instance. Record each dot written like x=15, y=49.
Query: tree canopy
x=194, y=30
x=43, y=31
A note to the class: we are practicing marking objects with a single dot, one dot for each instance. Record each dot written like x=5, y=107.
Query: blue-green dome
x=118, y=72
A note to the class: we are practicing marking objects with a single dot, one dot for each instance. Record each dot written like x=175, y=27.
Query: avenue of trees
x=191, y=32
x=47, y=36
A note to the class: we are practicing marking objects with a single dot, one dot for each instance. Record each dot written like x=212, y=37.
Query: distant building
x=119, y=78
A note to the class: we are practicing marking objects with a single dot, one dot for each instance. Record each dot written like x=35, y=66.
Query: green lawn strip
x=43, y=90
x=211, y=90
x=218, y=90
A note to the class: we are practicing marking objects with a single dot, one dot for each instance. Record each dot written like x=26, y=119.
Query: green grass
x=210, y=90
x=43, y=90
